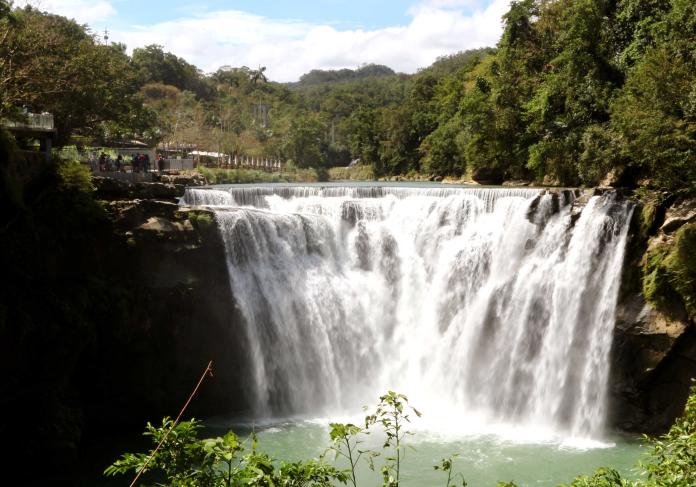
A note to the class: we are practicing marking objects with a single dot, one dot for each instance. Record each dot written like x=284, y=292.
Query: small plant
x=345, y=443
x=446, y=465
x=392, y=413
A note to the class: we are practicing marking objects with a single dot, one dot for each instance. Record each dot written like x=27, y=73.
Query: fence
x=177, y=165
x=33, y=121
x=258, y=163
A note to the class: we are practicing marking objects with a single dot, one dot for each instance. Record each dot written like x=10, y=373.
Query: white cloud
x=84, y=11
x=290, y=48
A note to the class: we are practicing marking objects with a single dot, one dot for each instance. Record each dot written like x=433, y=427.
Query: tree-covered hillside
x=574, y=90
x=318, y=76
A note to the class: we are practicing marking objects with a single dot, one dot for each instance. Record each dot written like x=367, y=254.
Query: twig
x=208, y=370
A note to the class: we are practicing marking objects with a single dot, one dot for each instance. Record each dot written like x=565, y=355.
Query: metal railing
x=33, y=121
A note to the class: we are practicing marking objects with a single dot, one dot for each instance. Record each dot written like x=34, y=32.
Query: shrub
x=184, y=459
x=75, y=176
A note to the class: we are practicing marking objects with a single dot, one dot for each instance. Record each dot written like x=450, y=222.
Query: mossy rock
x=200, y=219
x=669, y=275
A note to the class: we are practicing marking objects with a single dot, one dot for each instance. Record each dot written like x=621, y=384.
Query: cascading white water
x=497, y=303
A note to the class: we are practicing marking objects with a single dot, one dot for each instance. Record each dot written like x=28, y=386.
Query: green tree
x=574, y=92
x=655, y=112
x=49, y=63
x=153, y=65
x=305, y=140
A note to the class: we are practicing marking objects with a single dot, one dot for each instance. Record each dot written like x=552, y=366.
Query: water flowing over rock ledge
x=517, y=286
x=175, y=249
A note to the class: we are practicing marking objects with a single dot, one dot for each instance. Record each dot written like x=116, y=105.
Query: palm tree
x=258, y=76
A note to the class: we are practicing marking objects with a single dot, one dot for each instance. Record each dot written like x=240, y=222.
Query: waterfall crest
x=494, y=302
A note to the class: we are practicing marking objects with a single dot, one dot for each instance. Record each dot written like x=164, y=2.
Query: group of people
x=138, y=162
x=141, y=163
x=107, y=164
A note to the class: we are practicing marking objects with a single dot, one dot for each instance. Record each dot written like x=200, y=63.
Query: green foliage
x=318, y=76
x=392, y=414
x=446, y=465
x=654, y=112
x=603, y=477
x=50, y=63
x=575, y=89
x=75, y=176
x=670, y=273
x=10, y=172
x=201, y=219
x=235, y=176
x=345, y=442
x=671, y=461
x=185, y=460
x=442, y=150
x=355, y=173
x=304, y=139
x=153, y=65
x=673, y=456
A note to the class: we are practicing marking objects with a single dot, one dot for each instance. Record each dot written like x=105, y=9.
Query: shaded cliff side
x=110, y=311
x=654, y=356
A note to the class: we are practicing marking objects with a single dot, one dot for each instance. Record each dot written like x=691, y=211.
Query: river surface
x=482, y=459
x=491, y=308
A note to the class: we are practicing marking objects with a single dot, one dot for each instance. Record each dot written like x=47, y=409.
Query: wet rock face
x=654, y=353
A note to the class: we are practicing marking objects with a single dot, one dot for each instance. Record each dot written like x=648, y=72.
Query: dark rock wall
x=179, y=314
x=110, y=311
x=654, y=353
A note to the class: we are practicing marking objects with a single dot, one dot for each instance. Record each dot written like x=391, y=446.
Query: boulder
x=654, y=361
x=679, y=214
x=515, y=183
x=110, y=188
x=488, y=175
x=158, y=190
x=192, y=179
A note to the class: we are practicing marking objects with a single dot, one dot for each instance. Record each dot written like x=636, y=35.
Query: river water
x=491, y=308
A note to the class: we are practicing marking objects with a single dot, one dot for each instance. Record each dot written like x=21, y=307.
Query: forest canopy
x=575, y=90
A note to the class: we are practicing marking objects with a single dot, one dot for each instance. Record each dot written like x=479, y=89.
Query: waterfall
x=497, y=303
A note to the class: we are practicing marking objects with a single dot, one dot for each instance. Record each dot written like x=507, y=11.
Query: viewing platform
x=39, y=126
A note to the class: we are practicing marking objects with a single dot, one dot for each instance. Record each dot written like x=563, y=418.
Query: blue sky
x=292, y=37
x=346, y=13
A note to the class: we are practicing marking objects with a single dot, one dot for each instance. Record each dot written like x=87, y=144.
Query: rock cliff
x=655, y=343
